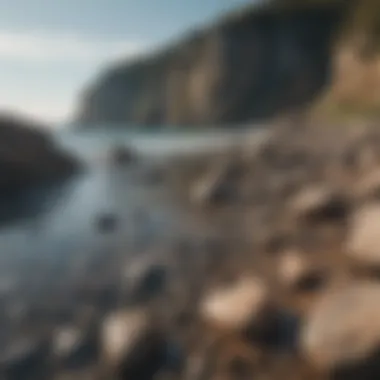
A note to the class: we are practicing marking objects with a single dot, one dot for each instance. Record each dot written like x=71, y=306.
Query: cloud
x=52, y=47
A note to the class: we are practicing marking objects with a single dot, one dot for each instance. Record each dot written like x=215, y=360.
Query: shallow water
x=63, y=219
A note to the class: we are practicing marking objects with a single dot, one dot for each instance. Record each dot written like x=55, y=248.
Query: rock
x=151, y=175
x=361, y=155
x=106, y=222
x=369, y=186
x=25, y=359
x=296, y=272
x=144, y=279
x=131, y=346
x=122, y=155
x=343, y=329
x=317, y=204
x=28, y=156
x=214, y=187
x=363, y=244
x=75, y=347
x=236, y=306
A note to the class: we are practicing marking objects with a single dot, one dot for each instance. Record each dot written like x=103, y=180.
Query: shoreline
x=259, y=237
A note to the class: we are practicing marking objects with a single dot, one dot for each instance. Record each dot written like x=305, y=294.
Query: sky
x=50, y=49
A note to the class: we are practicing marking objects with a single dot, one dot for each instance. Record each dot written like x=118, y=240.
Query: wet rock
x=145, y=279
x=318, y=204
x=28, y=156
x=152, y=175
x=75, y=347
x=132, y=348
x=343, y=329
x=106, y=222
x=123, y=155
x=235, y=306
x=25, y=359
x=363, y=244
x=216, y=186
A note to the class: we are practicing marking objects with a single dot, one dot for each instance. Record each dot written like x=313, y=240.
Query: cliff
x=259, y=62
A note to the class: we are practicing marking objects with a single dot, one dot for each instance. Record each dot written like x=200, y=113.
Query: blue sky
x=49, y=49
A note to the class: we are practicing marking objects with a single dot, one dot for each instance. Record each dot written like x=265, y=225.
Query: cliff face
x=257, y=64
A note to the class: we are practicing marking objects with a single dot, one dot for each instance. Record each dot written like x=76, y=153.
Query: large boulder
x=28, y=155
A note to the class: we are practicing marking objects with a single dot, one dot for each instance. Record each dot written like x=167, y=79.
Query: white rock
x=121, y=332
x=236, y=306
x=344, y=327
x=363, y=243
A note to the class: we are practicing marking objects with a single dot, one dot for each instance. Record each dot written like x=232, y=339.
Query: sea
x=45, y=224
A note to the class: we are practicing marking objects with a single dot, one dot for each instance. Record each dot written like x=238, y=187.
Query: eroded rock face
x=28, y=156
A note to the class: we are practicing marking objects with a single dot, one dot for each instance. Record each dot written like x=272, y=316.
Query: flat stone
x=343, y=329
x=235, y=306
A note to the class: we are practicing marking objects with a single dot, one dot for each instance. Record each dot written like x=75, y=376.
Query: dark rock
x=75, y=347
x=107, y=222
x=278, y=330
x=311, y=281
x=144, y=280
x=215, y=187
x=29, y=157
x=319, y=204
x=123, y=155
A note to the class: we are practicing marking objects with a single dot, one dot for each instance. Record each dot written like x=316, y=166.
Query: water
x=63, y=221
x=94, y=145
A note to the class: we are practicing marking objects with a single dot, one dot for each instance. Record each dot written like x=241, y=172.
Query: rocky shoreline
x=274, y=274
